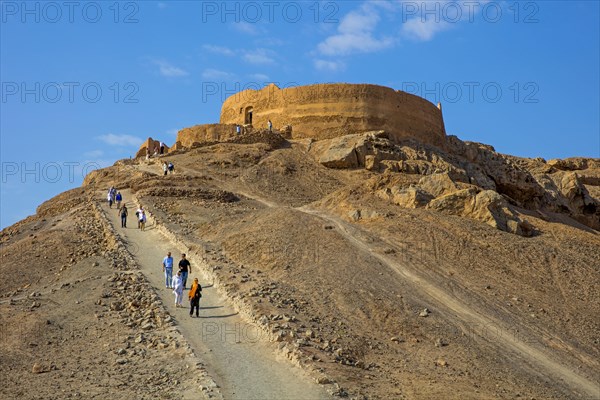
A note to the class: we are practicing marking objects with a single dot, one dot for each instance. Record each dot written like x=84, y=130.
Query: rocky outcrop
x=440, y=193
x=472, y=179
x=509, y=178
x=575, y=164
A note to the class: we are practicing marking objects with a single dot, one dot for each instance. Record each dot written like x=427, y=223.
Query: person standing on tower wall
x=270, y=125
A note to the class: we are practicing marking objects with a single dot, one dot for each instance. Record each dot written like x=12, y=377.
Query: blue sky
x=84, y=83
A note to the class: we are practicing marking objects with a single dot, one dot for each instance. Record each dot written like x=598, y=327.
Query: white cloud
x=225, y=51
x=172, y=132
x=269, y=41
x=245, y=27
x=345, y=44
x=93, y=154
x=361, y=30
x=423, y=30
x=260, y=77
x=356, y=34
x=161, y=5
x=331, y=66
x=170, y=71
x=120, y=140
x=258, y=56
x=211, y=73
x=424, y=25
x=363, y=20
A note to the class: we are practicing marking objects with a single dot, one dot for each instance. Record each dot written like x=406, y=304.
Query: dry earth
x=399, y=272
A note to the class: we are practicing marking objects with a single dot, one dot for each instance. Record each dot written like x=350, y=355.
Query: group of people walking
x=178, y=282
x=114, y=196
x=168, y=167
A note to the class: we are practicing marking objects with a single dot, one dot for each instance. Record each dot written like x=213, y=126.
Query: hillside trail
x=237, y=355
x=537, y=358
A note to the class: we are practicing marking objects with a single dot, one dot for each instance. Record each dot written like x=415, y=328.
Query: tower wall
x=330, y=110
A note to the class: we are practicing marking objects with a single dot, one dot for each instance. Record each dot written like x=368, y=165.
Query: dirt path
x=527, y=355
x=537, y=358
x=238, y=357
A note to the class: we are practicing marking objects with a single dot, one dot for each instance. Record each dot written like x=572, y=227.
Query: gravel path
x=238, y=357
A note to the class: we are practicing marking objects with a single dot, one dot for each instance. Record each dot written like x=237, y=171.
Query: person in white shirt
x=167, y=265
x=138, y=214
x=143, y=220
x=177, y=285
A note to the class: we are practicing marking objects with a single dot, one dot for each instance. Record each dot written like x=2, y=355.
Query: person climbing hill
x=194, y=296
x=124, y=214
x=185, y=268
x=118, y=199
x=177, y=285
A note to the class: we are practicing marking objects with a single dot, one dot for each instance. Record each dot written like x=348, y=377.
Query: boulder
x=339, y=152
x=389, y=166
x=486, y=206
x=408, y=197
x=371, y=163
x=460, y=202
x=438, y=184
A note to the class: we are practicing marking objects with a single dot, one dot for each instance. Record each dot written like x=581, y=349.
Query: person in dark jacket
x=124, y=216
x=118, y=199
x=194, y=294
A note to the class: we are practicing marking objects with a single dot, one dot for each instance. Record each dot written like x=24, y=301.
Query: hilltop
x=383, y=267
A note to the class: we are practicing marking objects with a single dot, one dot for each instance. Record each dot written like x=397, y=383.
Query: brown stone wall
x=331, y=110
x=152, y=145
x=205, y=133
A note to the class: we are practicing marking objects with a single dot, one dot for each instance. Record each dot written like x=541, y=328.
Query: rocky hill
x=382, y=268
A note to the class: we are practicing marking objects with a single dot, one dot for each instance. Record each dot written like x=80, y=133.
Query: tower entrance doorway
x=248, y=115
